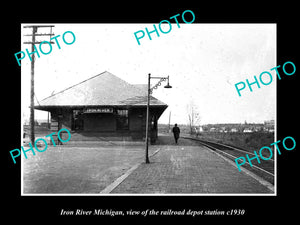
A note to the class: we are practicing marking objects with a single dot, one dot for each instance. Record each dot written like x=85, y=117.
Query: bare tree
x=193, y=116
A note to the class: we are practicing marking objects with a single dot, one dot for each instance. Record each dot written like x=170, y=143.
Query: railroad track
x=264, y=169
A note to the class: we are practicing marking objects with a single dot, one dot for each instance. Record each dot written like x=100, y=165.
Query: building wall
x=136, y=126
x=135, y=120
x=104, y=124
x=61, y=118
x=99, y=122
x=65, y=118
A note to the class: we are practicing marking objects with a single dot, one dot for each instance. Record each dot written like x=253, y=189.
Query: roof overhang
x=53, y=107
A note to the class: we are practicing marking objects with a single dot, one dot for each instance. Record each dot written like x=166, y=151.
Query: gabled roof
x=104, y=89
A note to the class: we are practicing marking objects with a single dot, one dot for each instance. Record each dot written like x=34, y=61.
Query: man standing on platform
x=176, y=132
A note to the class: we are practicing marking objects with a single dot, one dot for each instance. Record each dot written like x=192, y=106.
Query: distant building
x=222, y=130
x=269, y=122
x=200, y=129
x=269, y=125
x=212, y=129
x=247, y=130
x=103, y=106
x=234, y=130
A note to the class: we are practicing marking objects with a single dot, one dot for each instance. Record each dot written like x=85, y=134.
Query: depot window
x=122, y=119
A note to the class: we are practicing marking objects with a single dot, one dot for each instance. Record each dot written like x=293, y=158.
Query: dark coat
x=176, y=132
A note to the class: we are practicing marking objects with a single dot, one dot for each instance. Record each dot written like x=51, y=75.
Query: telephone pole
x=33, y=42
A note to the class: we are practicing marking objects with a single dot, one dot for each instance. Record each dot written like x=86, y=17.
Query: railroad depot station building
x=103, y=107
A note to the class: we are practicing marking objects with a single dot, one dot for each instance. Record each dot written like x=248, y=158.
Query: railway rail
x=265, y=169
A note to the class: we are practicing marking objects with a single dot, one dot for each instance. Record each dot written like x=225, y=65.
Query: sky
x=203, y=61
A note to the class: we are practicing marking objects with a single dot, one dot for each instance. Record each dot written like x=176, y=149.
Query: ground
x=188, y=168
x=89, y=168
x=78, y=169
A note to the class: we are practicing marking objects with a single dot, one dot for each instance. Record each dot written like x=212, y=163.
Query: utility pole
x=33, y=42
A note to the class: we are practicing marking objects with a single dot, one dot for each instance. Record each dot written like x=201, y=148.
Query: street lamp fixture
x=168, y=85
x=150, y=90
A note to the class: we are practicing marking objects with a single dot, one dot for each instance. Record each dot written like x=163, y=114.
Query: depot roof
x=104, y=89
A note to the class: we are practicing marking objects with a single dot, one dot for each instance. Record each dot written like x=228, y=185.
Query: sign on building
x=98, y=110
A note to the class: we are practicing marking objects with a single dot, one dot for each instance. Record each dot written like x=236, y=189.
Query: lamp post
x=161, y=79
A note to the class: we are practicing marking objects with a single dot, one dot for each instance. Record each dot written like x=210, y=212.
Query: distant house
x=212, y=129
x=269, y=122
x=103, y=106
x=234, y=130
x=247, y=130
x=200, y=129
x=223, y=130
x=269, y=125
